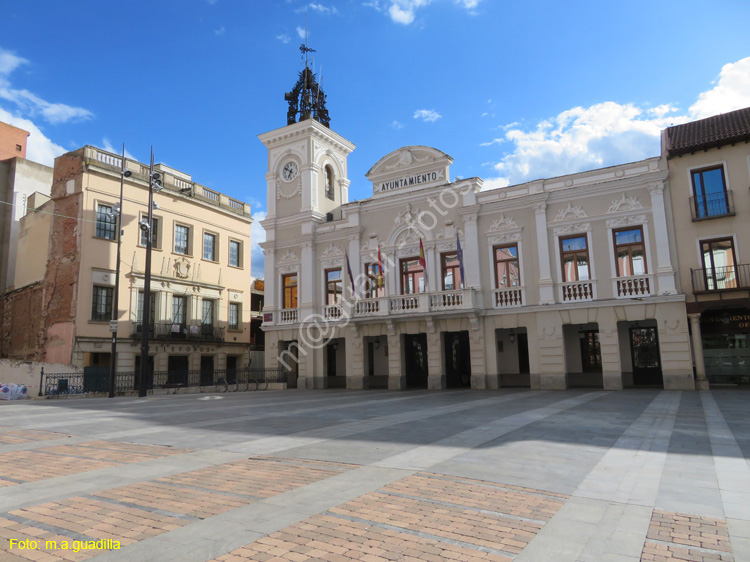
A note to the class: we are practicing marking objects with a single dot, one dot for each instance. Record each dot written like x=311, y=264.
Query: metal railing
x=721, y=278
x=179, y=331
x=713, y=205
x=97, y=382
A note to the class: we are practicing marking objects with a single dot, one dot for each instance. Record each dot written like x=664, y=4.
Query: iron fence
x=97, y=380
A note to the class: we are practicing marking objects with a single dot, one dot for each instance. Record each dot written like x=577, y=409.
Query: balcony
x=171, y=331
x=508, y=297
x=288, y=316
x=633, y=287
x=729, y=278
x=713, y=206
x=332, y=312
x=421, y=303
x=577, y=291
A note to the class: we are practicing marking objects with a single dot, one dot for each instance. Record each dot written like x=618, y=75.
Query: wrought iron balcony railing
x=727, y=278
x=712, y=206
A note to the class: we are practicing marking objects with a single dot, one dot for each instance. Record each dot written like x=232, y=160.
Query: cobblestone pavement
x=378, y=476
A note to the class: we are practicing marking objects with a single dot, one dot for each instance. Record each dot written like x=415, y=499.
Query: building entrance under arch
x=415, y=360
x=457, y=359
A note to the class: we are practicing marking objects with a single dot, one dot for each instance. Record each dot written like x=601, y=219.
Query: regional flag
x=380, y=268
x=423, y=263
x=349, y=271
x=460, y=256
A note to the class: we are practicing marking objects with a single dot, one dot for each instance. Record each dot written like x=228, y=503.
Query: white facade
x=566, y=281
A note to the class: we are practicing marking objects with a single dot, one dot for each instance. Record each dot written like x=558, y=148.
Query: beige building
x=67, y=248
x=557, y=283
x=709, y=174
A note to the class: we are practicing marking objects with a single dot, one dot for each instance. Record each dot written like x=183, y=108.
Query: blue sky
x=513, y=91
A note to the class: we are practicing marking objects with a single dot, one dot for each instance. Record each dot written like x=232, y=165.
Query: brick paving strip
x=62, y=460
x=135, y=512
x=688, y=538
x=11, y=437
x=426, y=517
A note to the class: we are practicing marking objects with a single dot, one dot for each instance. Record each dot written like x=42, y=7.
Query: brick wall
x=21, y=331
x=10, y=139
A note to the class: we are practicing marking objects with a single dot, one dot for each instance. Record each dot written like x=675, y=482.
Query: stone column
x=549, y=348
x=664, y=270
x=610, y=350
x=546, y=286
x=355, y=360
x=307, y=282
x=477, y=357
x=701, y=382
x=470, y=247
x=435, y=364
x=396, y=378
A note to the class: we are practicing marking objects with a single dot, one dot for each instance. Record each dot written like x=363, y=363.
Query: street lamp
x=147, y=226
x=117, y=212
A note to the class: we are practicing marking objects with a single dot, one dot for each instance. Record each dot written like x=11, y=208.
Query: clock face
x=289, y=171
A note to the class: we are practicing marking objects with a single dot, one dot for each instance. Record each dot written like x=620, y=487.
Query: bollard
x=41, y=379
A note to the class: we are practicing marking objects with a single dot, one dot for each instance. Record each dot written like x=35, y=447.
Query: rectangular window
x=234, y=316
x=179, y=312
x=451, y=271
x=101, y=305
x=289, y=291
x=574, y=253
x=334, y=286
x=710, y=192
x=412, y=276
x=209, y=246
x=106, y=222
x=207, y=316
x=375, y=281
x=719, y=266
x=181, y=239
x=154, y=232
x=630, y=254
x=235, y=253
x=152, y=309
x=507, y=271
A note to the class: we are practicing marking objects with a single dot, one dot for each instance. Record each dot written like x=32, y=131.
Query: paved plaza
x=379, y=476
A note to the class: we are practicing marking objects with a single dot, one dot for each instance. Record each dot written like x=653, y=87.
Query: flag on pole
x=380, y=268
x=423, y=263
x=460, y=256
x=349, y=271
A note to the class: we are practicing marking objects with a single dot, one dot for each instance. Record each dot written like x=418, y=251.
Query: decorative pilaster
x=307, y=282
x=269, y=301
x=470, y=247
x=546, y=286
x=664, y=270
x=435, y=376
x=701, y=382
x=396, y=379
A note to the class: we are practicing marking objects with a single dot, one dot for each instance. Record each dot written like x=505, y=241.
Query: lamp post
x=147, y=227
x=124, y=173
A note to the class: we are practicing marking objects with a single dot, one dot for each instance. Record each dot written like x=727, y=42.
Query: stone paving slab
x=632, y=476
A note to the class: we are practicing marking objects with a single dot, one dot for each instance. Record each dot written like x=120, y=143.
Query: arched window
x=329, y=183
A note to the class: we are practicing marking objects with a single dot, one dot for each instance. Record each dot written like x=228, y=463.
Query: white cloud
x=608, y=133
x=732, y=91
x=220, y=31
x=323, y=9
x=397, y=125
x=9, y=62
x=404, y=11
x=38, y=148
x=284, y=38
x=107, y=146
x=301, y=32
x=427, y=115
x=257, y=235
x=30, y=104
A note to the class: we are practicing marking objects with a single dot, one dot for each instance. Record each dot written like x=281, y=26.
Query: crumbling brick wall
x=22, y=335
